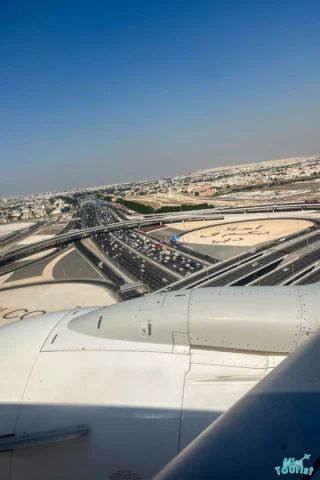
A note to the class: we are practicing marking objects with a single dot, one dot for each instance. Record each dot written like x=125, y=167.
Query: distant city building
x=87, y=199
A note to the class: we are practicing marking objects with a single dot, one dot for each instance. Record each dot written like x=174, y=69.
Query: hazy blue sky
x=95, y=92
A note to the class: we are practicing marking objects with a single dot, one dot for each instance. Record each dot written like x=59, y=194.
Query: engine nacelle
x=140, y=379
x=257, y=319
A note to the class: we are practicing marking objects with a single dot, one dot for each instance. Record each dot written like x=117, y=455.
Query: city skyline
x=102, y=93
x=271, y=172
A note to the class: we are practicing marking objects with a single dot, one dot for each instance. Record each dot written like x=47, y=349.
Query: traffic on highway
x=152, y=263
x=285, y=275
x=167, y=268
x=268, y=262
x=128, y=254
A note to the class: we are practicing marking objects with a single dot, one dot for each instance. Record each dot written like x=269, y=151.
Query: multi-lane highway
x=162, y=266
x=267, y=208
x=71, y=237
x=136, y=253
x=242, y=266
x=244, y=274
x=287, y=272
x=165, y=257
x=20, y=234
x=235, y=268
x=108, y=273
x=311, y=277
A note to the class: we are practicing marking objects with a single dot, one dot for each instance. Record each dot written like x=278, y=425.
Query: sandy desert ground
x=279, y=162
x=33, y=300
x=158, y=200
x=249, y=233
x=13, y=227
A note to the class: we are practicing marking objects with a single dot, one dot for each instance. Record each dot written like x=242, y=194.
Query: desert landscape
x=248, y=233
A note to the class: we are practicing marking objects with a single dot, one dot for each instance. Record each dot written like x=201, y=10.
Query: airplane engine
x=116, y=392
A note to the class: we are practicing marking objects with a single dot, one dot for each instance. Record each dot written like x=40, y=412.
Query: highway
x=71, y=237
x=166, y=266
x=126, y=257
x=107, y=272
x=193, y=277
x=281, y=275
x=20, y=234
x=186, y=250
x=204, y=277
x=268, y=208
x=117, y=214
x=167, y=258
x=271, y=207
x=197, y=257
x=242, y=273
x=312, y=277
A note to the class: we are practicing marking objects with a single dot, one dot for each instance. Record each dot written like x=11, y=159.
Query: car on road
x=100, y=264
x=254, y=264
x=286, y=269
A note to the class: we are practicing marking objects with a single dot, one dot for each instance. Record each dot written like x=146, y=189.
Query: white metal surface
x=228, y=358
x=20, y=343
x=206, y=397
x=151, y=320
x=131, y=400
x=270, y=428
x=258, y=319
x=138, y=376
x=310, y=308
x=152, y=301
x=19, y=346
x=64, y=338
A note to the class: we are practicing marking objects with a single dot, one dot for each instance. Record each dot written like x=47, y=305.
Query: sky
x=101, y=92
